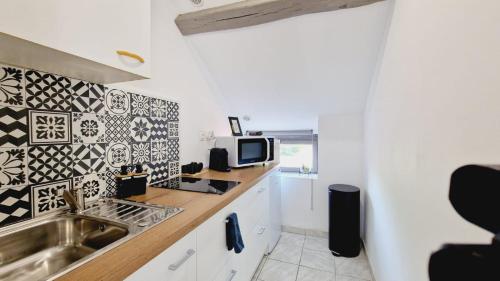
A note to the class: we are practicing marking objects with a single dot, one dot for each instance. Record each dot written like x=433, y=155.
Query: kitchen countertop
x=120, y=262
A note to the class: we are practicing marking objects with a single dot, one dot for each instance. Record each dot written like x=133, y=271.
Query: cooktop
x=197, y=185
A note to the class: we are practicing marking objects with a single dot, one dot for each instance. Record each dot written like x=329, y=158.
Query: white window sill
x=299, y=175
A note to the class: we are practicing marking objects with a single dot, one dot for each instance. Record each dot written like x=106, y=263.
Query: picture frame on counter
x=234, y=122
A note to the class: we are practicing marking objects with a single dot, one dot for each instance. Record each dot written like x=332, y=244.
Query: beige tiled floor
x=307, y=258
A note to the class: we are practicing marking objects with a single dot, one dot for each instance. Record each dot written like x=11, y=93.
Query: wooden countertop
x=120, y=262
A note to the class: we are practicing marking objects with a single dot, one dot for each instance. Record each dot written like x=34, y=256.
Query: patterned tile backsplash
x=61, y=133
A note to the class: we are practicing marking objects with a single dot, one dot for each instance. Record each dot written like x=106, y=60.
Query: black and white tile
x=117, y=102
x=117, y=128
x=110, y=182
x=172, y=111
x=47, y=91
x=140, y=129
x=141, y=152
x=174, y=169
x=139, y=105
x=159, y=171
x=118, y=154
x=174, y=182
x=173, y=129
x=15, y=204
x=159, y=129
x=13, y=127
x=47, y=127
x=88, y=128
x=49, y=163
x=93, y=185
x=173, y=149
x=11, y=86
x=60, y=133
x=158, y=108
x=87, y=97
x=159, y=151
x=13, y=163
x=48, y=198
x=89, y=158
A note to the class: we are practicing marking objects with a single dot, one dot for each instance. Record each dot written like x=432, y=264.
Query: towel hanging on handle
x=233, y=234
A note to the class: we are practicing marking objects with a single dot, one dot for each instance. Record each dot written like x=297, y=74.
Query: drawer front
x=229, y=273
x=177, y=263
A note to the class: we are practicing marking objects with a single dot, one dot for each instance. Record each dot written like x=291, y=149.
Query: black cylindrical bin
x=344, y=222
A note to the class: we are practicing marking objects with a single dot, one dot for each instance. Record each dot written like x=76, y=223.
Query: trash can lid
x=343, y=188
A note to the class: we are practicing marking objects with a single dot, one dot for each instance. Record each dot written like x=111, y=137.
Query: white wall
x=340, y=141
x=340, y=160
x=434, y=107
x=177, y=75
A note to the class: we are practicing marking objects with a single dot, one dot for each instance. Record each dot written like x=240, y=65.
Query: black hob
x=197, y=185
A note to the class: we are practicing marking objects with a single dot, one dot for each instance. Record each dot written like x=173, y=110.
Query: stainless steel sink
x=44, y=248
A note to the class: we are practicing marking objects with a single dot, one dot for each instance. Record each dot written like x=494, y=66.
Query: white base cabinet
x=202, y=255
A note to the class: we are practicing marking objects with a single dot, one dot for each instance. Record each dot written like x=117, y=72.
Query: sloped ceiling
x=284, y=74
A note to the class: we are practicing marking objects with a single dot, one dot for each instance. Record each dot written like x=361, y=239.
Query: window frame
x=297, y=137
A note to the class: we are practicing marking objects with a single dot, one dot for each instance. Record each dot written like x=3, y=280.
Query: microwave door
x=252, y=150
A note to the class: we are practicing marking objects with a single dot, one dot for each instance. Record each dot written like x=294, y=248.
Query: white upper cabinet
x=81, y=35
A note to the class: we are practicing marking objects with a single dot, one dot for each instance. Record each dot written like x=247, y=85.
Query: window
x=296, y=155
x=298, y=150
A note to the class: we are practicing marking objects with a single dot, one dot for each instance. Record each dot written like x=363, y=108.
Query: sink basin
x=47, y=247
x=44, y=247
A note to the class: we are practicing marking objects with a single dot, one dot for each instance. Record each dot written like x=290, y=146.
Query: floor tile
x=355, y=267
x=347, y=278
x=286, y=252
x=317, y=244
x=318, y=260
x=278, y=271
x=292, y=239
x=309, y=274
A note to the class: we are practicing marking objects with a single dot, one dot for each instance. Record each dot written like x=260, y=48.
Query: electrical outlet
x=207, y=135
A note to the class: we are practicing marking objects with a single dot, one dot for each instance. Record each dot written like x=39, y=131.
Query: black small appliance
x=219, y=160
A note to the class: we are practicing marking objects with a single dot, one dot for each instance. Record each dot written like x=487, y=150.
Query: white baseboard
x=303, y=231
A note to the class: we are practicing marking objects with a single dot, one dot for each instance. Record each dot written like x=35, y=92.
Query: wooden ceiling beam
x=254, y=12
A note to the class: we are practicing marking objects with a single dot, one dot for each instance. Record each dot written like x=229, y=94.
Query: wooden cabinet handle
x=129, y=54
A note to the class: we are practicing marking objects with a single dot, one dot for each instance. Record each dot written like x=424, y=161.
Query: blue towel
x=233, y=234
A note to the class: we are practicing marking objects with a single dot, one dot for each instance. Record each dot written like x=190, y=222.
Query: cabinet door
x=274, y=209
x=91, y=29
x=177, y=263
x=211, y=241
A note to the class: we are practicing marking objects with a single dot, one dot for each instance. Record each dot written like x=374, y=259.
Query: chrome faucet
x=75, y=199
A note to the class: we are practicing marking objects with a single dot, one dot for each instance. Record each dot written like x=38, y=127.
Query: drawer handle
x=261, y=230
x=261, y=190
x=232, y=274
x=178, y=264
x=131, y=55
